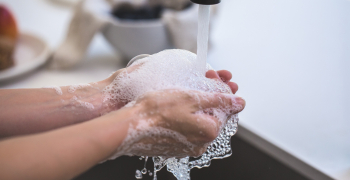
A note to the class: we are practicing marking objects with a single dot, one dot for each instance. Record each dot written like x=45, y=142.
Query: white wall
x=291, y=59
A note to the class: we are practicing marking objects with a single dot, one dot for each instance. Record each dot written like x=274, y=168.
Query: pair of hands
x=167, y=122
x=61, y=136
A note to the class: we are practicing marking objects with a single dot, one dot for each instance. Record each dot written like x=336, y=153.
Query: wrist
x=107, y=104
x=112, y=129
x=84, y=101
x=89, y=100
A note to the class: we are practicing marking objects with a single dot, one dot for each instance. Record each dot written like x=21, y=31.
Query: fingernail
x=236, y=99
x=232, y=96
x=240, y=101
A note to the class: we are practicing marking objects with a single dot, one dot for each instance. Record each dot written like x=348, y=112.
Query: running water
x=171, y=69
x=203, y=36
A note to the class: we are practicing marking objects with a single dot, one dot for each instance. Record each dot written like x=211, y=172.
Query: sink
x=246, y=162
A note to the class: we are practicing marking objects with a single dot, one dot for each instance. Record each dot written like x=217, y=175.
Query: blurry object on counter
x=169, y=4
x=8, y=37
x=88, y=19
x=19, y=52
x=128, y=11
x=149, y=29
x=30, y=53
x=67, y=3
x=132, y=27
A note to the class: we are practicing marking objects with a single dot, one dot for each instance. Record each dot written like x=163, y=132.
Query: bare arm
x=64, y=153
x=26, y=111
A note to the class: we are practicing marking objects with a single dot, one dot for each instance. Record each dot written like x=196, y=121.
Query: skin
x=163, y=107
x=44, y=138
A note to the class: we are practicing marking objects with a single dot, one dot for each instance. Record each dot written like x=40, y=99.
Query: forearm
x=24, y=111
x=66, y=152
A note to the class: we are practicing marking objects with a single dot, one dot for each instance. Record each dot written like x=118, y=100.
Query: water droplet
x=144, y=171
x=138, y=174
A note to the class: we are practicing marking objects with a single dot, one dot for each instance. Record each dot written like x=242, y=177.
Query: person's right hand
x=171, y=123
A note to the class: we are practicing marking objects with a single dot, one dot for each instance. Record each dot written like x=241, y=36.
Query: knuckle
x=198, y=152
x=188, y=96
x=212, y=135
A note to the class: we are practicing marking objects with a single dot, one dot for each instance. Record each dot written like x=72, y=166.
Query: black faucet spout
x=206, y=2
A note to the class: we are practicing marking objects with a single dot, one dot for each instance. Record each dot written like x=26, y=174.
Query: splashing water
x=220, y=148
x=139, y=174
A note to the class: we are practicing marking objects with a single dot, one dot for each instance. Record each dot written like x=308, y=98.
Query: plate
x=31, y=52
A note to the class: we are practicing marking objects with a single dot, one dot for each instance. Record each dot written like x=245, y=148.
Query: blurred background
x=290, y=58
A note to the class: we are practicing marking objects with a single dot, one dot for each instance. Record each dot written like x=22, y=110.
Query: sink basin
x=246, y=162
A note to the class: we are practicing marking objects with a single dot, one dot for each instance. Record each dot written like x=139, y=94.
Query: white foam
x=132, y=144
x=73, y=88
x=56, y=88
x=170, y=69
x=75, y=100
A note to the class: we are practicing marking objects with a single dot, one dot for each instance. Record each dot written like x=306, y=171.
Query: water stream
x=203, y=36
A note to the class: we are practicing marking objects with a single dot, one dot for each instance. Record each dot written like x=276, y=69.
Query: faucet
x=206, y=2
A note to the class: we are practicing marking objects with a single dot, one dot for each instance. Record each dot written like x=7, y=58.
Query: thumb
x=231, y=102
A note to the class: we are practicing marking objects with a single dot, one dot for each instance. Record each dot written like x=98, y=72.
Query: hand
x=170, y=123
x=225, y=76
x=222, y=75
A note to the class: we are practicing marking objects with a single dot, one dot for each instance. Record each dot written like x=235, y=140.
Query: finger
x=225, y=75
x=233, y=86
x=115, y=74
x=210, y=127
x=211, y=74
x=219, y=100
x=132, y=68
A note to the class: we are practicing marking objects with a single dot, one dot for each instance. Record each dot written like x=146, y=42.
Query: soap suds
x=73, y=88
x=56, y=88
x=80, y=103
x=171, y=69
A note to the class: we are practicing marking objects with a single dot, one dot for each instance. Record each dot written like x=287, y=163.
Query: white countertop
x=291, y=60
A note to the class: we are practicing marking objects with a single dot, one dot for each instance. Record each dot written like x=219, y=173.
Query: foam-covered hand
x=181, y=109
x=221, y=75
x=171, y=123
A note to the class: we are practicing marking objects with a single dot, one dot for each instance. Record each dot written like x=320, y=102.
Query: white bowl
x=132, y=38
